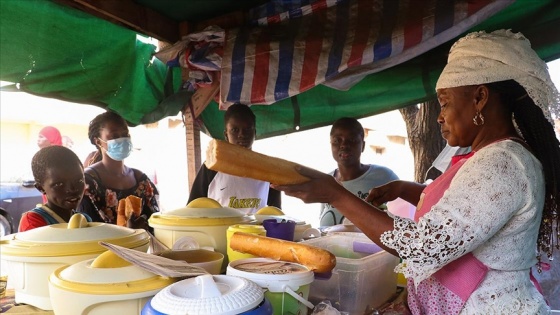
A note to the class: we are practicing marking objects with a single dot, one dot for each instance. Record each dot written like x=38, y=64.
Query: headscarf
x=52, y=134
x=481, y=57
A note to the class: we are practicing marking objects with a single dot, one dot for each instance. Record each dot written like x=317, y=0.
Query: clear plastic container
x=363, y=278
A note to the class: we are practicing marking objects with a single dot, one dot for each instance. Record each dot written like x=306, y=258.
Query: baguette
x=314, y=258
x=222, y=156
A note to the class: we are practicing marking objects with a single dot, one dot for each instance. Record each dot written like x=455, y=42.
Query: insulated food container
x=31, y=256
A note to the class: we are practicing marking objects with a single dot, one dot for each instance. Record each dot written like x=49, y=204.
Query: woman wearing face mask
x=110, y=180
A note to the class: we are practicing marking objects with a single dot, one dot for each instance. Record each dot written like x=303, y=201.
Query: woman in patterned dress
x=110, y=180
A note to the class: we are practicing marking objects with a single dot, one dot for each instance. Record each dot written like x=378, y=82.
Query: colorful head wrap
x=481, y=57
x=52, y=134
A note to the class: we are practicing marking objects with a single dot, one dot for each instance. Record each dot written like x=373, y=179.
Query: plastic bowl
x=209, y=260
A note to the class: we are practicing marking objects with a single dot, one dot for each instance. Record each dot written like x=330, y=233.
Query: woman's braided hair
x=94, y=130
x=539, y=134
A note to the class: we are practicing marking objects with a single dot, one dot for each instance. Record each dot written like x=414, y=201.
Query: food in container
x=286, y=284
x=363, y=277
x=210, y=295
x=208, y=260
x=107, y=284
x=31, y=256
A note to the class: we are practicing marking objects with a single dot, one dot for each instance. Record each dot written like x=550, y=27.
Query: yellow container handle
x=109, y=259
x=77, y=221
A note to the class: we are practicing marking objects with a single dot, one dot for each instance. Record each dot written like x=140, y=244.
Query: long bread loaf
x=314, y=258
x=222, y=156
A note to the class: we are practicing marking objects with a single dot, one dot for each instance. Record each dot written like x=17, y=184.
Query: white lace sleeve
x=483, y=196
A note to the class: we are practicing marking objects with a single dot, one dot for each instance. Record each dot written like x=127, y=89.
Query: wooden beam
x=131, y=15
x=192, y=137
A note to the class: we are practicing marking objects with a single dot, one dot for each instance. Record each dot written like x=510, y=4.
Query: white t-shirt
x=375, y=176
x=240, y=193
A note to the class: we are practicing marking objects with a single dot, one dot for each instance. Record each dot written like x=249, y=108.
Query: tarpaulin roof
x=56, y=51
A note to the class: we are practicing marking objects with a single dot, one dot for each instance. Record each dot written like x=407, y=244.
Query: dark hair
x=539, y=134
x=350, y=124
x=240, y=111
x=94, y=130
x=54, y=156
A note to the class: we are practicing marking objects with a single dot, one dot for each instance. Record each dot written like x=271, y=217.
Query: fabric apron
x=447, y=290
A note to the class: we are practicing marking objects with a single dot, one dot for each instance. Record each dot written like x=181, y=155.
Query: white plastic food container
x=207, y=226
x=33, y=255
x=363, y=277
x=104, y=285
x=210, y=295
x=286, y=284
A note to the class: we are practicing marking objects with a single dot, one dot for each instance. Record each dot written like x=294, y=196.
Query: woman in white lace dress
x=481, y=225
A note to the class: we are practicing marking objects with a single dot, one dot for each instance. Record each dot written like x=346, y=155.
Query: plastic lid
x=261, y=217
x=200, y=216
x=247, y=228
x=205, y=212
x=209, y=294
x=59, y=240
x=83, y=277
x=271, y=274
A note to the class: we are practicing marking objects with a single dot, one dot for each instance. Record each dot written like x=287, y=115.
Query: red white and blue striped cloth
x=335, y=42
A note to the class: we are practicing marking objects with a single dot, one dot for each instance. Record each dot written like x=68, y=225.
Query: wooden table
x=9, y=306
x=395, y=305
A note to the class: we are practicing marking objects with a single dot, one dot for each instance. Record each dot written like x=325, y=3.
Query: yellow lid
x=199, y=217
x=204, y=202
x=58, y=240
x=247, y=228
x=270, y=210
x=109, y=260
x=83, y=277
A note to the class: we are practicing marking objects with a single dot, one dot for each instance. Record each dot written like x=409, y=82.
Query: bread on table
x=222, y=156
x=316, y=259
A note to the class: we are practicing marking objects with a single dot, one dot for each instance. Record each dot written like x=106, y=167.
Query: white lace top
x=492, y=208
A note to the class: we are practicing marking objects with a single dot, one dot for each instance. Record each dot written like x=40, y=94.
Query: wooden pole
x=192, y=130
x=192, y=136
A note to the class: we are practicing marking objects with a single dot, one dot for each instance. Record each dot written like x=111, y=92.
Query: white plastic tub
x=360, y=281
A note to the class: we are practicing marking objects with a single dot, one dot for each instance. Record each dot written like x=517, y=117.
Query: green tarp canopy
x=56, y=51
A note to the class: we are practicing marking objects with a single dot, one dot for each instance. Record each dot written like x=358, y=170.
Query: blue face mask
x=119, y=149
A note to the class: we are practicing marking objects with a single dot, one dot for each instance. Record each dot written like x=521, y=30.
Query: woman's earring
x=478, y=119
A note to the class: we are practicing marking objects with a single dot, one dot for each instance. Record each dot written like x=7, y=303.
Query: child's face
x=64, y=186
x=240, y=131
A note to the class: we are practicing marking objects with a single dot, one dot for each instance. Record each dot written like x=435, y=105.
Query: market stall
x=124, y=76
x=116, y=270
x=306, y=66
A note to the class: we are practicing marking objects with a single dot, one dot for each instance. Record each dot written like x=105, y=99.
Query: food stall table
x=9, y=306
x=395, y=306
